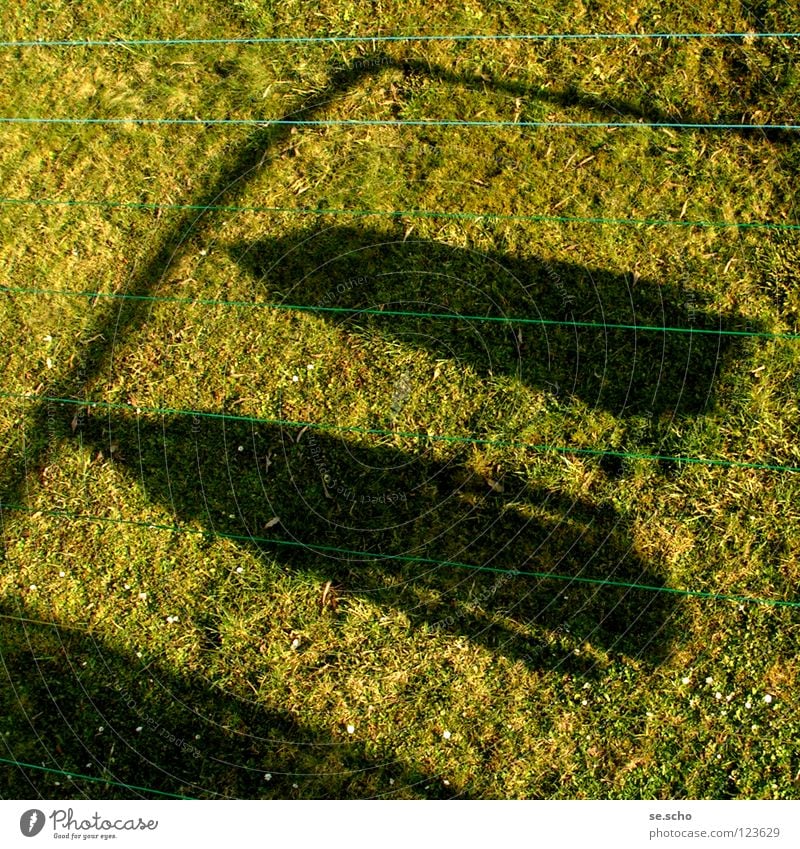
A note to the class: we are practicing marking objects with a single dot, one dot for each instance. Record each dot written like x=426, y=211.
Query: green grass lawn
x=354, y=513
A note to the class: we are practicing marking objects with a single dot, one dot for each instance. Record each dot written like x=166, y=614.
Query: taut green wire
x=409, y=213
x=402, y=313
x=469, y=440
x=388, y=122
x=93, y=778
x=404, y=558
x=311, y=39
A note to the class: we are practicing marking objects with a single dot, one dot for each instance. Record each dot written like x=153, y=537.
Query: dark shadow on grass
x=606, y=365
x=390, y=503
x=373, y=519
x=112, y=322
x=570, y=96
x=60, y=686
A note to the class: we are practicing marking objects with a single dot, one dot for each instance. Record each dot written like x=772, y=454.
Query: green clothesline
x=78, y=775
x=24, y=290
x=316, y=39
x=469, y=440
x=403, y=558
x=389, y=122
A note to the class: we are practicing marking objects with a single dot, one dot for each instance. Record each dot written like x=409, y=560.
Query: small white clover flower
x=748, y=704
x=685, y=679
x=768, y=698
x=295, y=378
x=268, y=776
x=447, y=735
x=139, y=728
x=351, y=729
x=709, y=680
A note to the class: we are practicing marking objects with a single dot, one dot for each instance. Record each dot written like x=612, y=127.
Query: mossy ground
x=200, y=664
